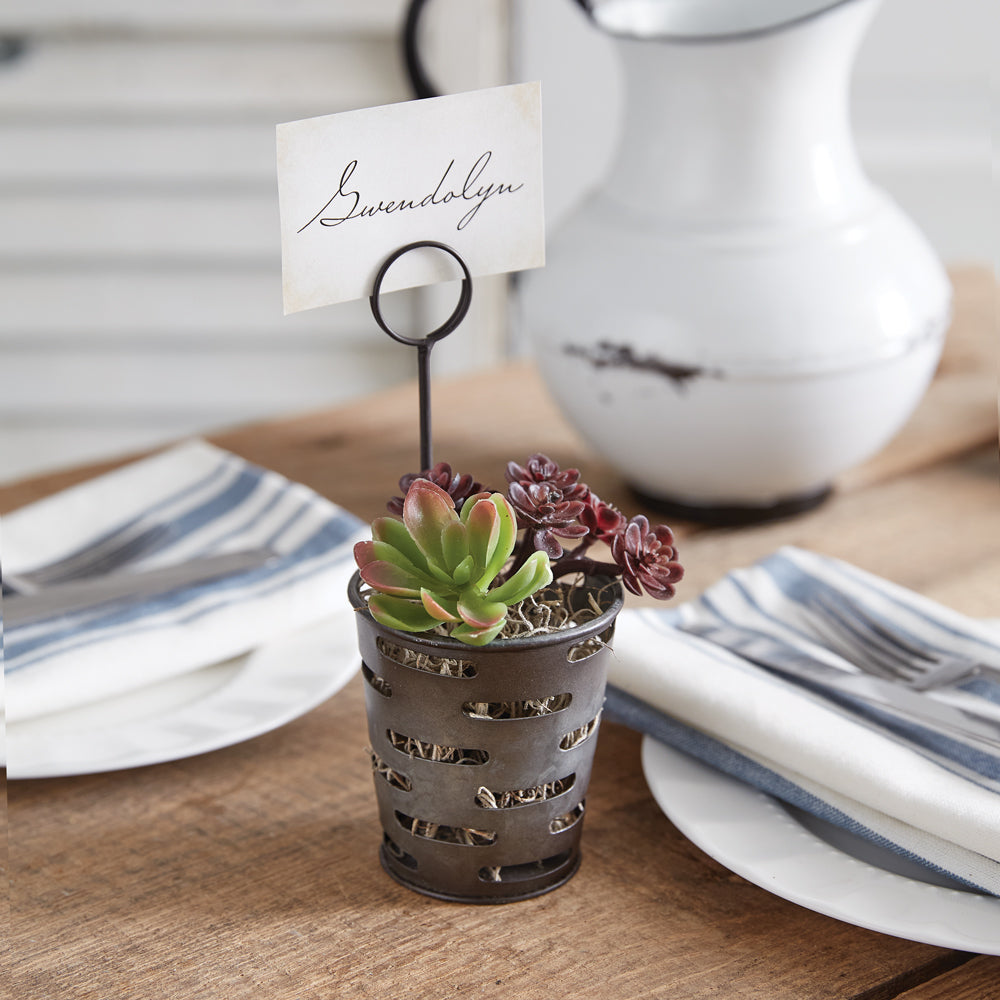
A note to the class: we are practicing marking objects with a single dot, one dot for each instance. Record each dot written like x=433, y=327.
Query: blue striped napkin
x=932, y=800
x=208, y=502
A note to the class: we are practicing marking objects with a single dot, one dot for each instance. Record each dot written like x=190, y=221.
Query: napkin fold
x=929, y=799
x=208, y=501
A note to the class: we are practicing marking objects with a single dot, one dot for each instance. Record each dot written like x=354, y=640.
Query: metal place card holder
x=424, y=344
x=478, y=808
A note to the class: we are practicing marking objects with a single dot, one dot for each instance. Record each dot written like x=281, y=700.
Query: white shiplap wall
x=140, y=294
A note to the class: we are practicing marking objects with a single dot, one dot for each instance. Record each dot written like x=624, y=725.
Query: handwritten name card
x=464, y=170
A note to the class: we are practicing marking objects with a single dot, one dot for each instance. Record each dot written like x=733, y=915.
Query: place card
x=464, y=170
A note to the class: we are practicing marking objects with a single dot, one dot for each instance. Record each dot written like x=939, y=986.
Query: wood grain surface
x=252, y=871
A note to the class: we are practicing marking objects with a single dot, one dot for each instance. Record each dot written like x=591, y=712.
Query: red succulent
x=647, y=558
x=458, y=487
x=542, y=470
x=601, y=519
x=548, y=501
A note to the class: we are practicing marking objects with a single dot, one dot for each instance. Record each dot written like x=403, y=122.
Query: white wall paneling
x=140, y=288
x=291, y=17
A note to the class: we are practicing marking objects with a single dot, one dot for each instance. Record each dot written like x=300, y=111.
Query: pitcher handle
x=420, y=82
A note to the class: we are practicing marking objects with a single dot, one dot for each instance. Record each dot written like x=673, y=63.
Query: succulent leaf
x=506, y=539
x=484, y=531
x=427, y=511
x=454, y=545
x=532, y=576
x=469, y=504
x=647, y=558
x=463, y=572
x=476, y=636
x=480, y=612
x=390, y=579
x=393, y=612
x=439, y=608
x=388, y=553
x=393, y=531
x=364, y=553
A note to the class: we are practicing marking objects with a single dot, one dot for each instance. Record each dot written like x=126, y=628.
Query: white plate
x=811, y=863
x=194, y=713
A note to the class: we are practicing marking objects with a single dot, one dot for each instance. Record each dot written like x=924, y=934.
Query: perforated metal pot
x=440, y=838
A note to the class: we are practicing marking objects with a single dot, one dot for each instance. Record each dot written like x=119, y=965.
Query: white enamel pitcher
x=738, y=314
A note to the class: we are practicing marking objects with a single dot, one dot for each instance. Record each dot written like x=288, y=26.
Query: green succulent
x=437, y=565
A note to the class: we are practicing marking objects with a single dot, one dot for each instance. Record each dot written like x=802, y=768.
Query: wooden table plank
x=922, y=530
x=252, y=872
x=975, y=980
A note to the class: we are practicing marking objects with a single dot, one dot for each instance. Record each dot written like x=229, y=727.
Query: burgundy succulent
x=548, y=501
x=546, y=516
x=602, y=520
x=458, y=487
x=647, y=558
x=541, y=469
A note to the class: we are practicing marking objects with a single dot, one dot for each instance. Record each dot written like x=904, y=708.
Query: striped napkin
x=208, y=502
x=930, y=799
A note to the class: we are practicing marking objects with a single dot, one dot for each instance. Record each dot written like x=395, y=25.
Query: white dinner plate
x=194, y=713
x=812, y=863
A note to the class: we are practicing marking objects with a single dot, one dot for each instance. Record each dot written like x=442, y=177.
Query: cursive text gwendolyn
x=346, y=204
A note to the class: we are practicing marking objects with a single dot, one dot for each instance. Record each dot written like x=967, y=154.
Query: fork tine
x=886, y=652
x=893, y=640
x=108, y=553
x=116, y=557
x=845, y=643
x=872, y=645
x=72, y=562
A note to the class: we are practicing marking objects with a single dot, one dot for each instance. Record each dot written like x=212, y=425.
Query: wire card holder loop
x=423, y=344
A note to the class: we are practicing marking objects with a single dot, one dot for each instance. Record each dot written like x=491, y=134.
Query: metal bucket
x=480, y=800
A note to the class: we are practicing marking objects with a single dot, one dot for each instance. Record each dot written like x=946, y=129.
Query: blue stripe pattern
x=775, y=601
x=233, y=506
x=626, y=710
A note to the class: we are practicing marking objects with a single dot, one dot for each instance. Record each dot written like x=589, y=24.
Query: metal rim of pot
x=442, y=645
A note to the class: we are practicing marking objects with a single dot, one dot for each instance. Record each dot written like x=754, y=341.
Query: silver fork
x=103, y=556
x=798, y=660
x=847, y=630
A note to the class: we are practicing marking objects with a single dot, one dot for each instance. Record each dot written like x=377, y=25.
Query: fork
x=103, y=556
x=884, y=653
x=798, y=660
x=94, y=593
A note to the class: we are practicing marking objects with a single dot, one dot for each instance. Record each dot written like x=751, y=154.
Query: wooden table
x=252, y=871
